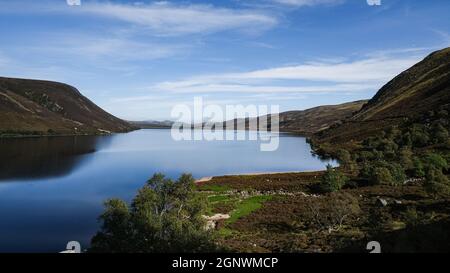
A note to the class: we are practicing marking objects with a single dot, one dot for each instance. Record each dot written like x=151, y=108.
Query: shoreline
x=17, y=136
x=9, y=136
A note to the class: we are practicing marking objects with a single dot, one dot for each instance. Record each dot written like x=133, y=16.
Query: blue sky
x=139, y=59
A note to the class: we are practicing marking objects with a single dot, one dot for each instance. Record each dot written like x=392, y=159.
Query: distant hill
x=310, y=121
x=418, y=90
x=34, y=107
x=318, y=118
x=152, y=124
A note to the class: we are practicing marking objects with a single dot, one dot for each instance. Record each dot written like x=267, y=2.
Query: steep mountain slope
x=307, y=122
x=34, y=107
x=418, y=90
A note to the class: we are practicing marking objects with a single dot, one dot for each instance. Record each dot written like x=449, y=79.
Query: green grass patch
x=225, y=232
x=247, y=206
x=214, y=188
x=219, y=198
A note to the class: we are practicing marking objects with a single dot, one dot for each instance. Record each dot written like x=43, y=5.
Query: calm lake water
x=52, y=188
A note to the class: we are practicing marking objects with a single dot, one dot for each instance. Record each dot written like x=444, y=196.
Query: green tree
x=419, y=136
x=381, y=175
x=333, y=180
x=435, y=161
x=406, y=158
x=440, y=134
x=116, y=231
x=346, y=160
x=418, y=168
x=397, y=173
x=165, y=216
x=436, y=183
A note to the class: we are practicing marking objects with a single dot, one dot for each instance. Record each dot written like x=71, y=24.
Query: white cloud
x=360, y=75
x=358, y=71
x=182, y=87
x=164, y=18
x=158, y=18
x=117, y=48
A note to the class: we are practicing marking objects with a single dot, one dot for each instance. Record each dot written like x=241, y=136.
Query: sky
x=138, y=60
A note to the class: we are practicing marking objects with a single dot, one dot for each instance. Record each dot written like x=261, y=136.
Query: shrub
x=412, y=218
x=397, y=173
x=406, y=158
x=418, y=168
x=436, y=183
x=346, y=160
x=435, y=161
x=333, y=180
x=440, y=134
x=381, y=175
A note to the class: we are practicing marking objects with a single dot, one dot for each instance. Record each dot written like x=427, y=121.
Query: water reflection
x=45, y=157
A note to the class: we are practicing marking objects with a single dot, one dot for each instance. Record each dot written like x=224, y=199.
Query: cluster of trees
x=165, y=215
x=415, y=149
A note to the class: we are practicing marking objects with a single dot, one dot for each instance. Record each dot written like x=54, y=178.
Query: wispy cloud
x=158, y=18
x=185, y=87
x=351, y=76
x=164, y=18
x=119, y=48
x=444, y=35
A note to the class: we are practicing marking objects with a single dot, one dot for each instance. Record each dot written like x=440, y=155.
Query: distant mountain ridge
x=36, y=107
x=152, y=124
x=304, y=122
x=422, y=88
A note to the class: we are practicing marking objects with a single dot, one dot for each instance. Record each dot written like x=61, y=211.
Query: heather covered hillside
x=32, y=107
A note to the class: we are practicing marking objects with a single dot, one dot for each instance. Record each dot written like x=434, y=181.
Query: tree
x=436, y=183
x=331, y=212
x=397, y=173
x=381, y=175
x=440, y=134
x=333, y=180
x=419, y=136
x=435, y=161
x=406, y=158
x=419, y=168
x=115, y=235
x=165, y=216
x=346, y=160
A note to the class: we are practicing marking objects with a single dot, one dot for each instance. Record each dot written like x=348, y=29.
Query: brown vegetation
x=32, y=107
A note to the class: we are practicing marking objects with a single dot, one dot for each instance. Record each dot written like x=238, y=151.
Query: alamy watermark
x=374, y=247
x=73, y=2
x=374, y=2
x=72, y=247
x=213, y=122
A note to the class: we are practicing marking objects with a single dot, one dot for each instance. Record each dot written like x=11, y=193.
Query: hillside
x=318, y=118
x=310, y=121
x=423, y=88
x=34, y=107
